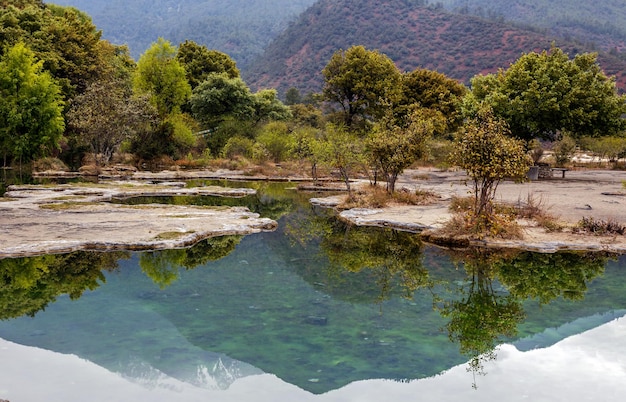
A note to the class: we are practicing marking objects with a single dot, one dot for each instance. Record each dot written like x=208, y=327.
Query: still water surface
x=316, y=303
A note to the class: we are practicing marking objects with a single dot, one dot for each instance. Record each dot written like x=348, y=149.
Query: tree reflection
x=482, y=316
x=548, y=276
x=364, y=263
x=28, y=285
x=163, y=266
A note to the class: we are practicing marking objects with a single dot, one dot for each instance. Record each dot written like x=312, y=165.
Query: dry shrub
x=417, y=197
x=461, y=204
x=600, y=226
x=378, y=197
x=501, y=226
x=54, y=164
x=534, y=208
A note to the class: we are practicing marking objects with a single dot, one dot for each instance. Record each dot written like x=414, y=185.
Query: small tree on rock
x=488, y=153
x=394, y=147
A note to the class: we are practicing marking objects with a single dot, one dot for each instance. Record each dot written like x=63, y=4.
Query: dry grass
x=535, y=208
x=466, y=224
x=378, y=197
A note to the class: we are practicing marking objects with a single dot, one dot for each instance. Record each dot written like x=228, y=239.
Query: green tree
x=106, y=115
x=199, y=62
x=362, y=82
x=64, y=38
x=160, y=75
x=482, y=315
x=546, y=276
x=28, y=285
x=433, y=90
x=31, y=120
x=340, y=149
x=485, y=149
x=394, y=147
x=276, y=139
x=292, y=96
x=267, y=106
x=219, y=98
x=544, y=94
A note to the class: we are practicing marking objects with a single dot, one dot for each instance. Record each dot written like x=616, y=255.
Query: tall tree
x=199, y=62
x=433, y=90
x=160, y=75
x=544, y=94
x=362, y=82
x=106, y=114
x=220, y=97
x=31, y=121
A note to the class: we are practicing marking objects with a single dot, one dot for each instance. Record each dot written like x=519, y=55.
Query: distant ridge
x=410, y=33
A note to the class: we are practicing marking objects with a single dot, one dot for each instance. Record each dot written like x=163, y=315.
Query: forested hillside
x=409, y=32
x=601, y=22
x=241, y=28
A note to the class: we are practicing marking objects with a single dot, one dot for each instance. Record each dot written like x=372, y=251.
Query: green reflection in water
x=28, y=285
x=318, y=303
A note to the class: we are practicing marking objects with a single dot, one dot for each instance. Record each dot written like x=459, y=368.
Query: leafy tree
x=199, y=62
x=31, y=121
x=546, y=276
x=394, y=147
x=160, y=75
x=106, y=115
x=340, y=149
x=542, y=95
x=64, y=38
x=219, y=98
x=163, y=266
x=432, y=90
x=292, y=96
x=362, y=82
x=486, y=151
x=267, y=106
x=564, y=149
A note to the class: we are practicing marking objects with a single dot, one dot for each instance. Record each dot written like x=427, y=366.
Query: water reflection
x=163, y=266
x=28, y=285
x=318, y=303
x=365, y=264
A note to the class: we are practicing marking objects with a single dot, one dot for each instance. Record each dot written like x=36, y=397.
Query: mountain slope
x=411, y=34
x=601, y=22
x=240, y=28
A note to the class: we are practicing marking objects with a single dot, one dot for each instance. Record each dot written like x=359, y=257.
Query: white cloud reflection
x=587, y=367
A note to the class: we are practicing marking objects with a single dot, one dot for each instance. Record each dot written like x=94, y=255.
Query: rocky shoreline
x=37, y=220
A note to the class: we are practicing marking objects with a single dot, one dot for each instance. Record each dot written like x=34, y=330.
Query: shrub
x=599, y=226
x=564, y=150
x=276, y=139
x=238, y=146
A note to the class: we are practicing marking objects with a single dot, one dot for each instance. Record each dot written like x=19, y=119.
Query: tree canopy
x=362, y=82
x=199, y=62
x=544, y=94
x=160, y=75
x=31, y=119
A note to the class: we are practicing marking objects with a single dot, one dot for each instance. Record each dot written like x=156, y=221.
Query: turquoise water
x=317, y=303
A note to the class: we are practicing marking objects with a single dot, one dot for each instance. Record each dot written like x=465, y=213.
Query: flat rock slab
x=37, y=220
